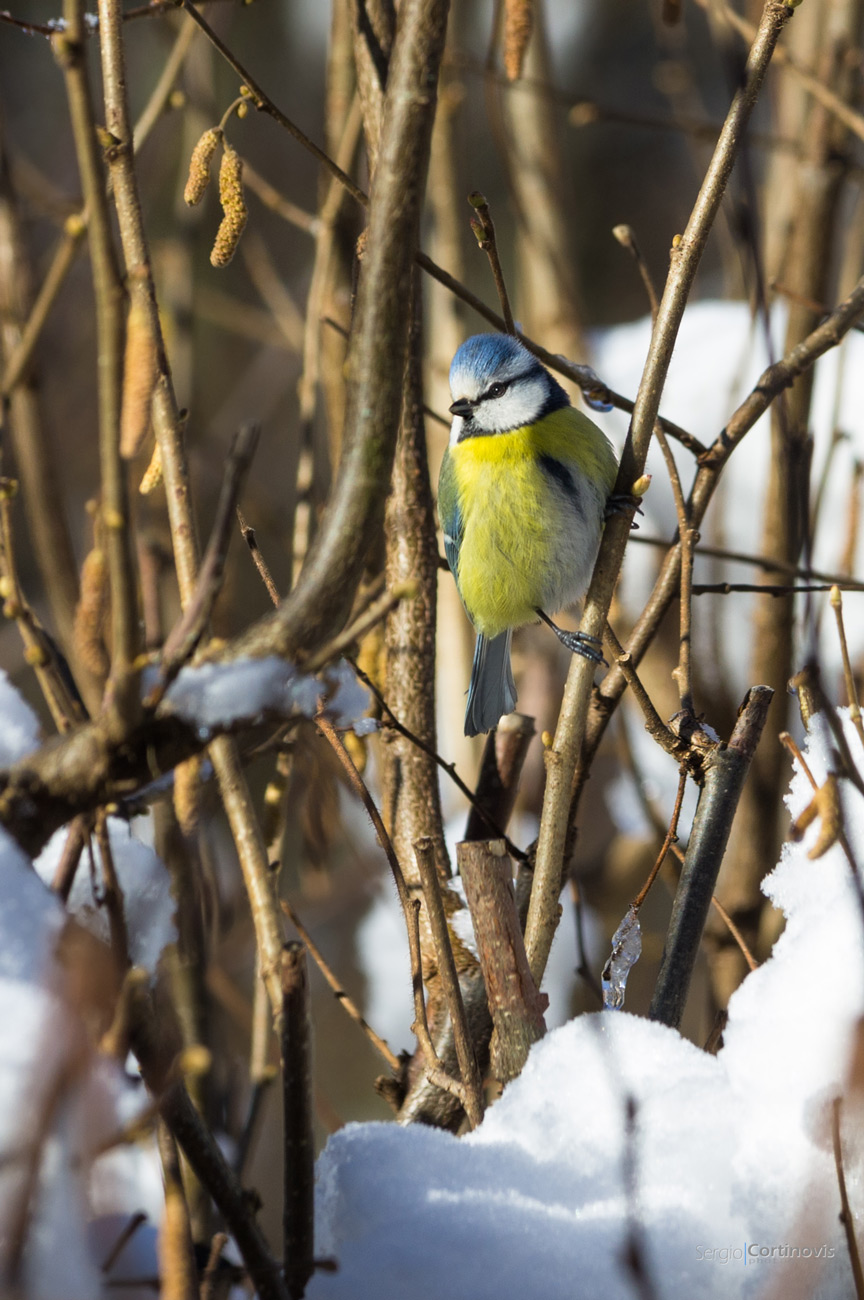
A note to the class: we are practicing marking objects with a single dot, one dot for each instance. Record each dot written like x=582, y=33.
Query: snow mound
x=724, y=1175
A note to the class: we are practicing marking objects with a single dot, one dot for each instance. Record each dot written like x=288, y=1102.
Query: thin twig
x=654, y=724
x=447, y=973
x=515, y=1002
x=767, y=588
x=851, y=687
x=450, y=768
x=735, y=933
x=671, y=836
x=369, y=618
x=345, y=1001
x=251, y=540
x=40, y=651
x=847, y=1218
x=185, y=636
x=756, y=562
x=484, y=229
x=683, y=673
x=627, y=239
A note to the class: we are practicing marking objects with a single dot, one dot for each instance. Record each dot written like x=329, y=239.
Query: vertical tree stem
x=108, y=291
x=298, y=1220
x=725, y=772
x=473, y=1098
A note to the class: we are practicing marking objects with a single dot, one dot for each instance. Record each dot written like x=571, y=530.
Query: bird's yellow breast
x=520, y=541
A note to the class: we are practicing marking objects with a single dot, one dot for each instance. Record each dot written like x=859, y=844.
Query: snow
x=144, y=882
x=19, y=734
x=215, y=695
x=59, y=1100
x=727, y=1151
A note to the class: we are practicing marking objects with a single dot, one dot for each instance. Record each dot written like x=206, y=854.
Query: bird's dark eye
x=495, y=390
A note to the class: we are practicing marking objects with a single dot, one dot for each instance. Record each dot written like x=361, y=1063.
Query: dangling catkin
x=139, y=379
x=233, y=205
x=518, y=25
x=199, y=166
x=91, y=614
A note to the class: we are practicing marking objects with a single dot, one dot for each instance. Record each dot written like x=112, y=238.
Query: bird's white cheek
x=456, y=429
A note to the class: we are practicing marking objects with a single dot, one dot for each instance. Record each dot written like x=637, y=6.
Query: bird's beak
x=463, y=407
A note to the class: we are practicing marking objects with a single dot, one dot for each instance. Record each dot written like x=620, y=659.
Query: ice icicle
x=626, y=951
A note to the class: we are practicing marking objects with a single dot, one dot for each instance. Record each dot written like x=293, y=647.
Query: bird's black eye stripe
x=495, y=390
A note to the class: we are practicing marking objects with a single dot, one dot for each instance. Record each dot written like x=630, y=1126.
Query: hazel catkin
x=199, y=166
x=233, y=206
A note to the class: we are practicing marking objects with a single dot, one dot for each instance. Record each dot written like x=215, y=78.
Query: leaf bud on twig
x=153, y=473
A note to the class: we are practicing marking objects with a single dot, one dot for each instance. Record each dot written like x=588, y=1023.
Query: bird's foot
x=620, y=503
x=578, y=643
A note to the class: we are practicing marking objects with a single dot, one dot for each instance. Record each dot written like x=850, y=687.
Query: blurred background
x=611, y=123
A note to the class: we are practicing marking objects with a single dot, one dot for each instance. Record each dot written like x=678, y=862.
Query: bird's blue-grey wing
x=450, y=515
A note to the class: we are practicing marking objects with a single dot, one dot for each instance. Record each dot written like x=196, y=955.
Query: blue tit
x=522, y=496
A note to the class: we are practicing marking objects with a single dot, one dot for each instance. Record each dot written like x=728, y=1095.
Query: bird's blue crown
x=485, y=358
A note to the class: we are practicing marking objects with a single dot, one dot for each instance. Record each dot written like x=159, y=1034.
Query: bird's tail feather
x=492, y=691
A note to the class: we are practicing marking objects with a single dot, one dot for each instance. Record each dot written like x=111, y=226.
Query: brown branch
x=654, y=724
x=849, y=676
x=108, y=291
x=725, y=772
x=735, y=933
x=688, y=536
x=183, y=640
x=472, y=1098
x=156, y=1059
x=40, y=652
x=298, y=1214
x=352, y=519
x=251, y=540
x=501, y=765
x=411, y=793
x=515, y=1003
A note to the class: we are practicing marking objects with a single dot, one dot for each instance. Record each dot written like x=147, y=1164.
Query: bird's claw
x=620, y=503
x=580, y=643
